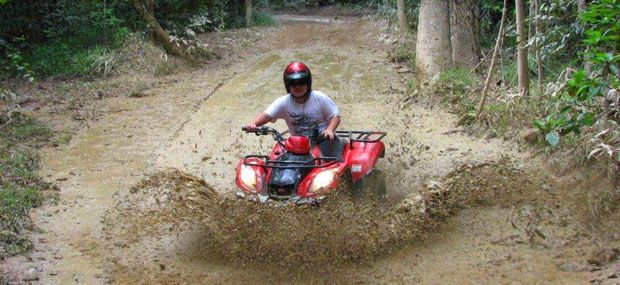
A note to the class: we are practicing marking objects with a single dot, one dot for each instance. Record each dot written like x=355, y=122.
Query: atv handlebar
x=353, y=136
x=265, y=131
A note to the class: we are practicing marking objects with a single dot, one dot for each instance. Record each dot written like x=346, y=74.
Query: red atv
x=296, y=171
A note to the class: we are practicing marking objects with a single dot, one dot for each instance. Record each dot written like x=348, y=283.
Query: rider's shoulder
x=319, y=94
x=283, y=98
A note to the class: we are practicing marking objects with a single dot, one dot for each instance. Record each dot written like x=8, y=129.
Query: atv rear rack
x=317, y=162
x=361, y=136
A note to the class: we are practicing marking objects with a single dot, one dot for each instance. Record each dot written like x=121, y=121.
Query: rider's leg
x=332, y=148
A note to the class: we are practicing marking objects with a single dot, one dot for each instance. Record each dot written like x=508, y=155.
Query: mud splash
x=302, y=238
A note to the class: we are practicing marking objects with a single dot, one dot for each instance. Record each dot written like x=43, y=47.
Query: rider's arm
x=333, y=123
x=331, y=127
x=260, y=120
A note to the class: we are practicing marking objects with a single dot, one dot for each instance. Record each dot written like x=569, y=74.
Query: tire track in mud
x=215, y=89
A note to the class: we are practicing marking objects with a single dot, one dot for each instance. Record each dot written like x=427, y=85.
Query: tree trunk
x=587, y=65
x=522, y=66
x=530, y=23
x=464, y=30
x=498, y=47
x=537, y=47
x=146, y=8
x=402, y=19
x=433, y=50
x=248, y=13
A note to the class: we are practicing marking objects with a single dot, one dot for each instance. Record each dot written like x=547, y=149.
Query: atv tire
x=346, y=184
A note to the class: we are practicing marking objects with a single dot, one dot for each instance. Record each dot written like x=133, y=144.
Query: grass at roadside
x=505, y=114
x=20, y=187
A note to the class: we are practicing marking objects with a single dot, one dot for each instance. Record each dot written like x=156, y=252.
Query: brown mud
x=147, y=189
x=298, y=240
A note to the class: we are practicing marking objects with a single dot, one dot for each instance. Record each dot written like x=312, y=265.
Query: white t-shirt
x=302, y=118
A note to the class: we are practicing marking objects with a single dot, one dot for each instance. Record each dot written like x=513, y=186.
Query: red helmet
x=297, y=73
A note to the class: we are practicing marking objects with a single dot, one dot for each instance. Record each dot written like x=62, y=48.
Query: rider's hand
x=250, y=127
x=328, y=134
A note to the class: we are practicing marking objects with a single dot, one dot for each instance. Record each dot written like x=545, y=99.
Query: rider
x=304, y=110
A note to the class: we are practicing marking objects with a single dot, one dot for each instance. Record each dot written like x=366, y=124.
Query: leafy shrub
x=100, y=61
x=578, y=103
x=403, y=54
x=13, y=62
x=263, y=19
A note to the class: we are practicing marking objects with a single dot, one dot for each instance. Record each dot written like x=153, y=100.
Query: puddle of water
x=291, y=19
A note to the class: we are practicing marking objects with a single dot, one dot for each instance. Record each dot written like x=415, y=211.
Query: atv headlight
x=322, y=180
x=248, y=177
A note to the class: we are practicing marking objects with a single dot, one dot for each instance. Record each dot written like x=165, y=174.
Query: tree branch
x=147, y=11
x=498, y=46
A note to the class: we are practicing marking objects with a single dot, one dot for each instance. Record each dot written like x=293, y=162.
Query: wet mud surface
x=147, y=191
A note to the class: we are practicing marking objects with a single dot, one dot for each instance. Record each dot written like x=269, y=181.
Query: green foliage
x=25, y=19
x=20, y=187
x=490, y=16
x=459, y=76
x=75, y=38
x=575, y=108
x=63, y=138
x=177, y=15
x=24, y=129
x=505, y=115
x=578, y=104
x=602, y=16
x=15, y=203
x=18, y=199
x=59, y=58
x=403, y=54
x=456, y=81
x=72, y=38
x=14, y=63
x=455, y=86
x=560, y=36
x=84, y=24
x=263, y=19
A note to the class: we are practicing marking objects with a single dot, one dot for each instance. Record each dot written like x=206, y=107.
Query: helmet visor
x=297, y=79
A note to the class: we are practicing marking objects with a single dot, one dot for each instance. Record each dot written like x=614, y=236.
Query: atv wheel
x=346, y=184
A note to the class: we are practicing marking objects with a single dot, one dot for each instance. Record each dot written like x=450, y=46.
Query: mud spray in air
x=292, y=239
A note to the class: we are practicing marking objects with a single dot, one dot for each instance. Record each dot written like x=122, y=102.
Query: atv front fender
x=363, y=157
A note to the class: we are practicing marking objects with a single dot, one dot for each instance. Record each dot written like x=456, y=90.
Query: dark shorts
x=332, y=148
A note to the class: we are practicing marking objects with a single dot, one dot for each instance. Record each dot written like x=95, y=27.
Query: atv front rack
x=317, y=162
x=361, y=136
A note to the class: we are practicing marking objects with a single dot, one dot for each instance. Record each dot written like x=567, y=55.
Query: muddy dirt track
x=145, y=188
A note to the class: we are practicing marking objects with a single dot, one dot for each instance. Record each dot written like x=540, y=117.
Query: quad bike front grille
x=281, y=192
